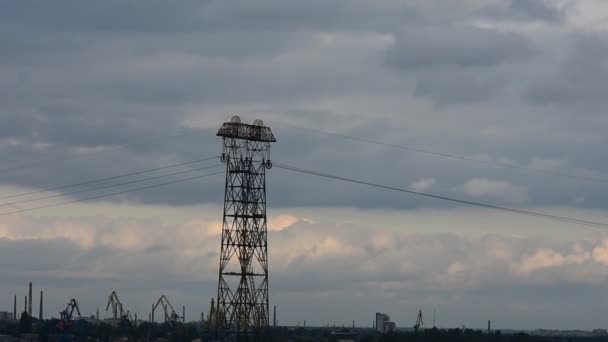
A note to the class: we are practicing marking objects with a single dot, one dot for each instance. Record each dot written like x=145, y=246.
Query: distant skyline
x=98, y=89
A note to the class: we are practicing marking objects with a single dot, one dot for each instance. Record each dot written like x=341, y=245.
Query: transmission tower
x=242, y=291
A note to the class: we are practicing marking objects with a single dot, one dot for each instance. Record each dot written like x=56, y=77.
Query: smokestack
x=152, y=312
x=41, y=305
x=29, y=303
x=15, y=309
x=184, y=313
x=353, y=324
x=274, y=320
x=25, y=304
x=97, y=314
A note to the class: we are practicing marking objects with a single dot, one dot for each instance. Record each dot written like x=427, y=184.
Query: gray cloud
x=458, y=47
x=84, y=84
x=457, y=64
x=524, y=10
x=99, y=89
x=579, y=79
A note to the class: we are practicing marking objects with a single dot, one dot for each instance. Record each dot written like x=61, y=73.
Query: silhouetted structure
x=171, y=315
x=119, y=315
x=29, y=304
x=419, y=321
x=41, y=314
x=242, y=294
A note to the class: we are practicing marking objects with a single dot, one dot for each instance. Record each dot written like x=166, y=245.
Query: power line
x=98, y=180
x=34, y=162
x=54, y=160
x=447, y=155
x=108, y=186
x=111, y=194
x=451, y=199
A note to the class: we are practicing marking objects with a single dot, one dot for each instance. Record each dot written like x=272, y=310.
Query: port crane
x=118, y=312
x=170, y=313
x=66, y=315
x=419, y=322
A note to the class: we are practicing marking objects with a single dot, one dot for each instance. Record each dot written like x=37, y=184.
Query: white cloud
x=600, y=253
x=495, y=189
x=543, y=258
x=341, y=251
x=281, y=222
x=423, y=184
x=548, y=164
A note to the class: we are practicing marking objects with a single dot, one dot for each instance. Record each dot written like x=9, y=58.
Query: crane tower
x=242, y=292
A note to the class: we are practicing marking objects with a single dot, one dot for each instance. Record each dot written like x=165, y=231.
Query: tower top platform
x=256, y=132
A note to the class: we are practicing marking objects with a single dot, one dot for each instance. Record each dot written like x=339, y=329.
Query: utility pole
x=242, y=291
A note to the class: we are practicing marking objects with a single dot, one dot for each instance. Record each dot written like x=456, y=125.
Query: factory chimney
x=274, y=320
x=15, y=309
x=25, y=304
x=184, y=313
x=41, y=306
x=29, y=303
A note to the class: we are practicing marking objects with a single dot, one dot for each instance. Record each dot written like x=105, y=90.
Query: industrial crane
x=170, y=314
x=118, y=313
x=419, y=322
x=66, y=315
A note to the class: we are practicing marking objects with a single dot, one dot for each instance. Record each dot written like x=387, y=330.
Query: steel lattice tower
x=242, y=291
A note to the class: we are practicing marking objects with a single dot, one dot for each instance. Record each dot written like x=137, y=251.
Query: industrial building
x=383, y=323
x=6, y=316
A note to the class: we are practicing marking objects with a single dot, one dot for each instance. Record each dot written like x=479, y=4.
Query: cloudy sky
x=498, y=101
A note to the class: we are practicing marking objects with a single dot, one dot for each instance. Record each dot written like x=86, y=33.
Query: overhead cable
x=111, y=194
x=451, y=199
